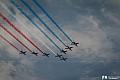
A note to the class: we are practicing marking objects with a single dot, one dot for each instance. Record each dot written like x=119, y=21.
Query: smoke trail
x=35, y=1
x=34, y=23
x=5, y=7
x=9, y=43
x=12, y=25
x=42, y=21
x=15, y=37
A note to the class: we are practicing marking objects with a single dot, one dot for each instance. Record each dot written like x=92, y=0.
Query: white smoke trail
x=5, y=7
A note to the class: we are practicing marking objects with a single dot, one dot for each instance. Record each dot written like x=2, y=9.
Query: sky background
x=95, y=24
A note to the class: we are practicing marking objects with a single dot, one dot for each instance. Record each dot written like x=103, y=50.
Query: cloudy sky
x=95, y=24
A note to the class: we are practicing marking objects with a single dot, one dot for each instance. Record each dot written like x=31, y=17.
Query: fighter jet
x=62, y=58
x=22, y=52
x=68, y=47
x=74, y=43
x=63, y=51
x=58, y=56
x=46, y=54
x=35, y=53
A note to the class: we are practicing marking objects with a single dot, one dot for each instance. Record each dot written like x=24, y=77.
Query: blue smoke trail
x=51, y=19
x=34, y=23
x=42, y=21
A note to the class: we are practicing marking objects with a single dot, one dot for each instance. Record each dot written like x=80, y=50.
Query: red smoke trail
x=12, y=25
x=9, y=43
x=15, y=37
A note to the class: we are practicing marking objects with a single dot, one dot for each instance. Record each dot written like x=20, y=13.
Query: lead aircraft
x=74, y=43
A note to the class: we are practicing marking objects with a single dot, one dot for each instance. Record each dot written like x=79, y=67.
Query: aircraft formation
x=67, y=47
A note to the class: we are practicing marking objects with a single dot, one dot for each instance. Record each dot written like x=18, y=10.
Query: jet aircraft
x=46, y=54
x=58, y=56
x=23, y=52
x=63, y=59
x=74, y=43
x=63, y=51
x=68, y=47
x=35, y=53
